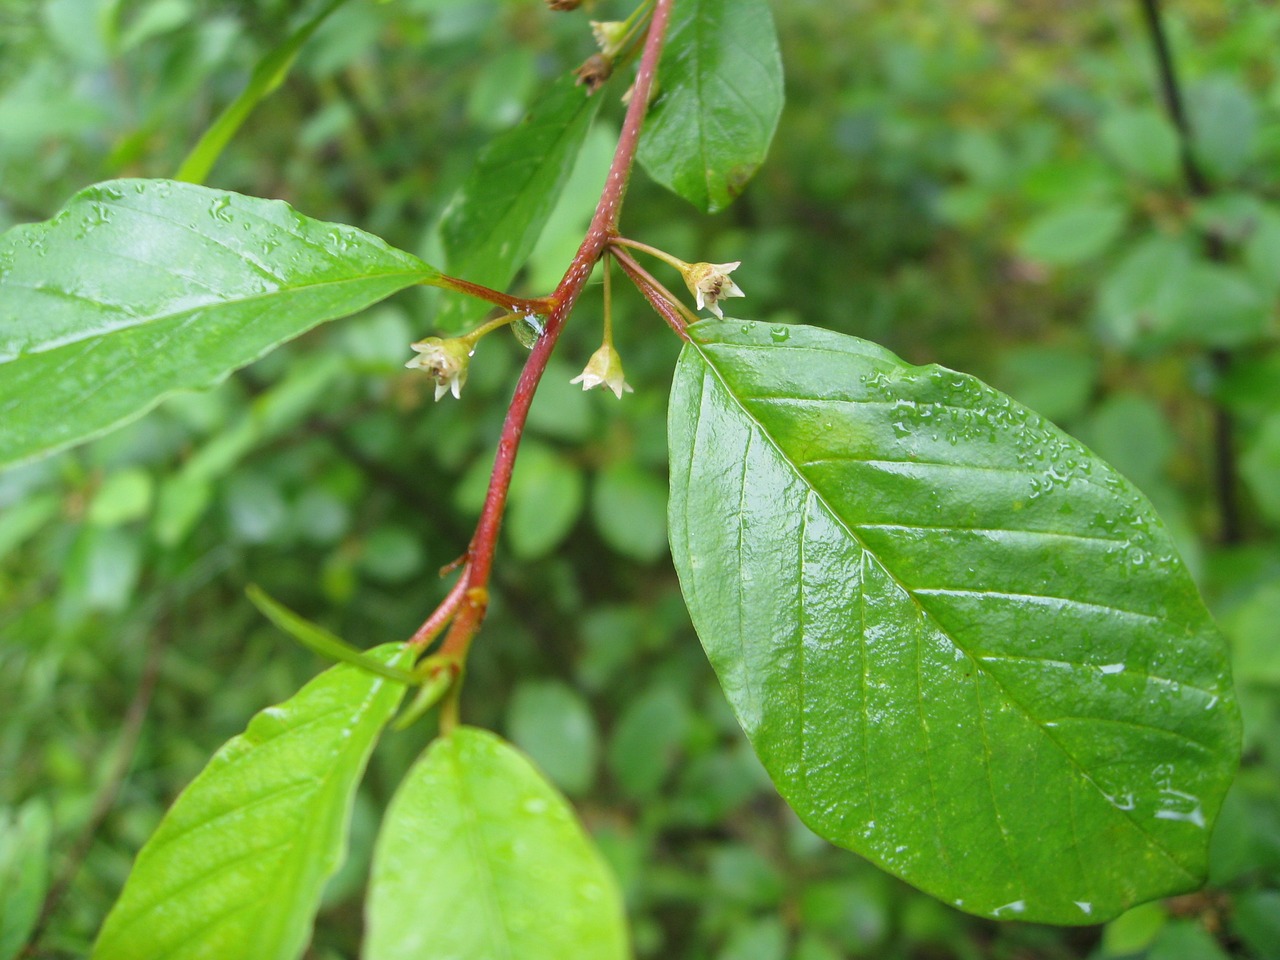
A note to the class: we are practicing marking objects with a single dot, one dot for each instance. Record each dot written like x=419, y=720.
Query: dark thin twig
x=1224, y=445
x=105, y=801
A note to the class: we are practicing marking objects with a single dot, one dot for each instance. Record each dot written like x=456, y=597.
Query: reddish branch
x=468, y=599
x=659, y=297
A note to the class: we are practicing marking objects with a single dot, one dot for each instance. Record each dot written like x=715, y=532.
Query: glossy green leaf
x=719, y=100
x=491, y=228
x=139, y=288
x=236, y=869
x=267, y=76
x=962, y=645
x=479, y=857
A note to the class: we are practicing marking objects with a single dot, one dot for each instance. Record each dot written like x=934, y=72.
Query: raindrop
x=1112, y=668
x=1085, y=907
x=1017, y=906
x=780, y=334
x=528, y=329
x=219, y=209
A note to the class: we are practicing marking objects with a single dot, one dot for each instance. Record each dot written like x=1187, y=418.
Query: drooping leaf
x=267, y=76
x=479, y=857
x=490, y=229
x=236, y=869
x=718, y=103
x=320, y=641
x=139, y=288
x=962, y=645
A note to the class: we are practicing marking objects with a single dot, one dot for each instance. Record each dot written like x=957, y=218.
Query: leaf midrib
x=706, y=357
x=159, y=318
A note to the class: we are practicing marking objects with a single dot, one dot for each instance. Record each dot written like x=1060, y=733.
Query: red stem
x=432, y=626
x=657, y=295
x=473, y=597
x=504, y=300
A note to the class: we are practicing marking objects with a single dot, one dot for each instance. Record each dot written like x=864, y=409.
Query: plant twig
x=475, y=578
x=1224, y=446
x=676, y=314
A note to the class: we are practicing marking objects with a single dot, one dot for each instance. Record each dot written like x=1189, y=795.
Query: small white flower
x=445, y=361
x=604, y=369
x=709, y=283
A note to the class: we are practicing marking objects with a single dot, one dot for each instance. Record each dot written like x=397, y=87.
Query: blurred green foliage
x=992, y=186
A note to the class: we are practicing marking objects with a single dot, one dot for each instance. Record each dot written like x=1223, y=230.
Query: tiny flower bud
x=564, y=4
x=710, y=283
x=609, y=35
x=594, y=72
x=445, y=361
x=604, y=369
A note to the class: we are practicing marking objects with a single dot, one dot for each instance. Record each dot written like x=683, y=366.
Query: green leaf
x=267, y=76
x=139, y=288
x=648, y=740
x=24, y=873
x=1185, y=940
x=491, y=228
x=1073, y=233
x=546, y=499
x=1260, y=466
x=1217, y=305
x=1143, y=142
x=962, y=645
x=718, y=103
x=237, y=867
x=1134, y=931
x=552, y=723
x=1224, y=118
x=629, y=506
x=498, y=859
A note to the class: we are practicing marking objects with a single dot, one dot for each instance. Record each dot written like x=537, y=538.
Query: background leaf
x=267, y=76
x=962, y=645
x=477, y=833
x=490, y=229
x=237, y=867
x=24, y=873
x=139, y=288
x=718, y=103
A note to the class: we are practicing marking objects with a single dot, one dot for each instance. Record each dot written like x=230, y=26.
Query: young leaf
x=139, y=288
x=490, y=229
x=236, y=868
x=719, y=99
x=496, y=854
x=962, y=645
